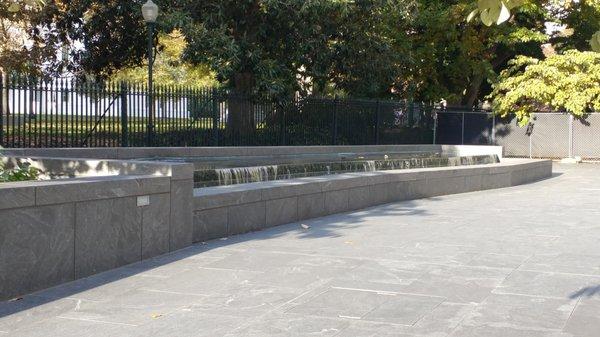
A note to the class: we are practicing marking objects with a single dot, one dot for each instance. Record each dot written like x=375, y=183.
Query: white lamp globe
x=150, y=11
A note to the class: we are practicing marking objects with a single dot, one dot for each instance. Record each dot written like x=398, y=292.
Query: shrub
x=568, y=82
x=23, y=172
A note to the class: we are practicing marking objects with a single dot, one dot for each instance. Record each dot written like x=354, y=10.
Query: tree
x=18, y=51
x=582, y=21
x=567, y=82
x=101, y=36
x=263, y=46
x=417, y=49
x=169, y=68
x=454, y=59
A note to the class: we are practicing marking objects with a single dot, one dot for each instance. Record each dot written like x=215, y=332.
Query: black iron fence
x=70, y=113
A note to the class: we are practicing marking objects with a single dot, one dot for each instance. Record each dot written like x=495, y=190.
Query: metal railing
x=70, y=113
x=552, y=135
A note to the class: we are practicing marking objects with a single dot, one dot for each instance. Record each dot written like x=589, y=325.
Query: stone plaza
x=518, y=261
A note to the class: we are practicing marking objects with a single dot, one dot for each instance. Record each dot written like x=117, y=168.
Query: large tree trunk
x=240, y=120
x=472, y=93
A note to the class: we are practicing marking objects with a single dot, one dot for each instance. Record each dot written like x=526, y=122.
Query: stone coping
x=75, y=167
x=51, y=192
x=220, y=196
x=141, y=152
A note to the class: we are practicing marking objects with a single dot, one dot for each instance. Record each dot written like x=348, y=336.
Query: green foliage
x=18, y=50
x=567, y=82
x=169, y=68
x=582, y=19
x=454, y=60
x=418, y=49
x=20, y=173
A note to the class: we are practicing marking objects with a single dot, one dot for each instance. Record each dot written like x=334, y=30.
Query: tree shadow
x=588, y=292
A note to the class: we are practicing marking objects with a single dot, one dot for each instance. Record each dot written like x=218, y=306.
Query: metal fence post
x=377, y=113
x=411, y=114
x=335, y=113
x=124, y=116
x=283, y=125
x=529, y=133
x=570, y=136
x=493, y=128
x=215, y=117
x=435, y=126
x=462, y=139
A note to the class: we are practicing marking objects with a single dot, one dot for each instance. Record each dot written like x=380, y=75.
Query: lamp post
x=150, y=13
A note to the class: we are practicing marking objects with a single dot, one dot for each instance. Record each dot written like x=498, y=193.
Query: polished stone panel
x=359, y=197
x=210, y=224
x=155, y=226
x=311, y=206
x=498, y=180
x=281, y=211
x=336, y=201
x=288, y=188
x=36, y=248
x=15, y=197
x=246, y=218
x=205, y=198
x=399, y=191
x=380, y=194
x=444, y=186
x=473, y=182
x=181, y=214
x=98, y=188
x=108, y=234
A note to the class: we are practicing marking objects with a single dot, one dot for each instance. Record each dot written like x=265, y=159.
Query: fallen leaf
x=155, y=316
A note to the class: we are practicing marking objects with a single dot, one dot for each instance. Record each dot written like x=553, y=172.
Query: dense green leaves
x=416, y=49
x=20, y=173
x=169, y=68
x=567, y=82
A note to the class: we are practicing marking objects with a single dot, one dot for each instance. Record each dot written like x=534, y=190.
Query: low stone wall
x=229, y=210
x=116, y=212
x=60, y=230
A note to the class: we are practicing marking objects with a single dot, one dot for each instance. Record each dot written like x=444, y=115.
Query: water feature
x=219, y=176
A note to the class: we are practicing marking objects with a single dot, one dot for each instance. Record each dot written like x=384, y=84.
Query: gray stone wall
x=56, y=231
x=53, y=232
x=229, y=210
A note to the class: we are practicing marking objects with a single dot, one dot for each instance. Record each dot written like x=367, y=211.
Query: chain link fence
x=548, y=135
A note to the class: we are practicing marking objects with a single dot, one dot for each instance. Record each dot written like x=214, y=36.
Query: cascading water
x=241, y=175
x=369, y=166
